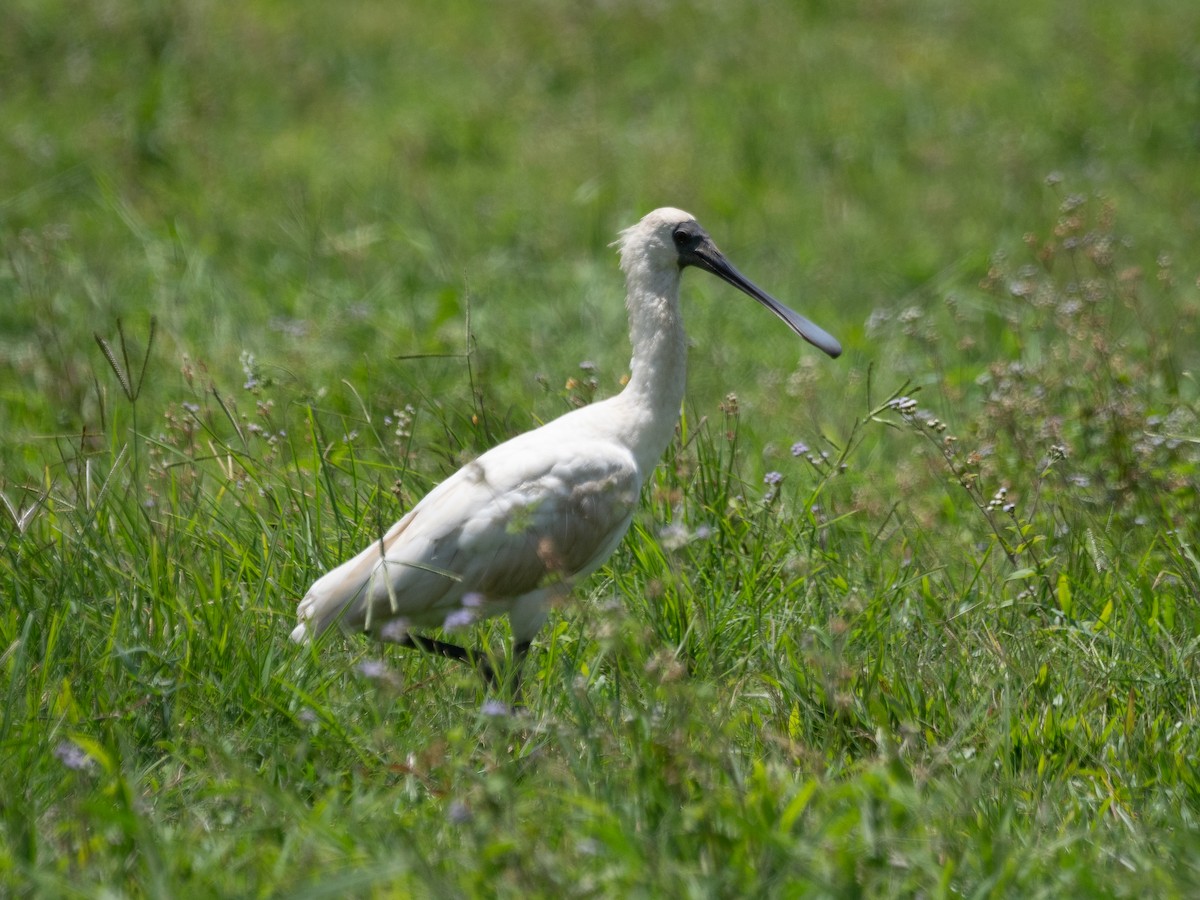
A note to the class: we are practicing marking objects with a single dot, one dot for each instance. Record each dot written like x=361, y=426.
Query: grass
x=922, y=621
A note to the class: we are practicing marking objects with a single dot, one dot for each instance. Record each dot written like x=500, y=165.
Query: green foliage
x=922, y=621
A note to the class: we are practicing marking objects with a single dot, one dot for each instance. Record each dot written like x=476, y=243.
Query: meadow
x=921, y=621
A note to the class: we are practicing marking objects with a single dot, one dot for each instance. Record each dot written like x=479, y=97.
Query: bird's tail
x=316, y=612
x=334, y=597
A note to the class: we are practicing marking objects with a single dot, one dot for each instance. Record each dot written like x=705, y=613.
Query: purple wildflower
x=458, y=813
x=73, y=756
x=494, y=708
x=457, y=619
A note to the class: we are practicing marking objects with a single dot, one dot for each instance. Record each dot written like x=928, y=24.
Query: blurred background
x=330, y=186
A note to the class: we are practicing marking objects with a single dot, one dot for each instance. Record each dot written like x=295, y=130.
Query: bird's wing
x=521, y=517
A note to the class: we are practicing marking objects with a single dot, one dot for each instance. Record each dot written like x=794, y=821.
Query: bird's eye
x=681, y=236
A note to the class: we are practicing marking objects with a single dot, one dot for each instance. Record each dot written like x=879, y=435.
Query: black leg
x=451, y=651
x=476, y=659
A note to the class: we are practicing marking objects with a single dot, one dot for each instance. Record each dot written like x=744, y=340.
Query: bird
x=515, y=529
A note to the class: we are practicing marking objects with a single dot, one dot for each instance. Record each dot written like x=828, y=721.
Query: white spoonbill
x=513, y=530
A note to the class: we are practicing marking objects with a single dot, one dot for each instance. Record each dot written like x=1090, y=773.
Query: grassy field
x=922, y=621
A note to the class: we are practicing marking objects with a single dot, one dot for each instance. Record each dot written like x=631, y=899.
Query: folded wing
x=503, y=527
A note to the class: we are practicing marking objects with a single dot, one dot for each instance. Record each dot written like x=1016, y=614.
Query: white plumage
x=519, y=526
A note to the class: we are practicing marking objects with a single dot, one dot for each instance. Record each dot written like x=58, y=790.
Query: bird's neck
x=657, y=378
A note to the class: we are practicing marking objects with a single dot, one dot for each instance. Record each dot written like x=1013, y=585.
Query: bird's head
x=652, y=244
x=668, y=238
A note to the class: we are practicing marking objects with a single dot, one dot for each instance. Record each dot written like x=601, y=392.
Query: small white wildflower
x=375, y=669
x=394, y=631
x=673, y=536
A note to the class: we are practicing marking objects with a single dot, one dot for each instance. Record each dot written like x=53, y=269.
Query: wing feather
x=504, y=526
